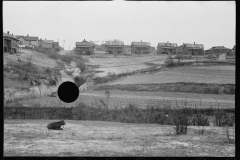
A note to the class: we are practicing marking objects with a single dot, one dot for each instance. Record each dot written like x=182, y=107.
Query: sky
x=212, y=23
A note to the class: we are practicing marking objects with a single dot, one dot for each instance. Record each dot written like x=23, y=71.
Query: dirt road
x=96, y=138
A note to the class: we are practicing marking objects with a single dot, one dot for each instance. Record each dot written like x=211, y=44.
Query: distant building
x=219, y=50
x=48, y=44
x=84, y=47
x=189, y=48
x=56, y=45
x=28, y=40
x=140, y=47
x=166, y=48
x=114, y=47
x=10, y=43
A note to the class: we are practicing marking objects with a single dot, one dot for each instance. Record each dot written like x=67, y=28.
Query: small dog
x=56, y=125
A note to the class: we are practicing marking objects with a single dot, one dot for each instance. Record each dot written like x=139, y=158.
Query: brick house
x=140, y=47
x=166, y=48
x=189, y=48
x=10, y=43
x=85, y=47
x=114, y=47
x=28, y=40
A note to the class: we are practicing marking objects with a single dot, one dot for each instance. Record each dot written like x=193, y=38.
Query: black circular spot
x=68, y=92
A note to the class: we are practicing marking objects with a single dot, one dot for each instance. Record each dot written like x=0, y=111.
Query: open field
x=197, y=74
x=97, y=138
x=122, y=64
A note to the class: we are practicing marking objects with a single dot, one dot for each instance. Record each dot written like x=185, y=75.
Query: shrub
x=181, y=119
x=223, y=119
x=169, y=62
x=179, y=57
x=189, y=56
x=82, y=66
x=54, y=55
x=41, y=50
x=79, y=81
x=66, y=59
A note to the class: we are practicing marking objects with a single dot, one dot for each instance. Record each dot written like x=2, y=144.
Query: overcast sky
x=208, y=23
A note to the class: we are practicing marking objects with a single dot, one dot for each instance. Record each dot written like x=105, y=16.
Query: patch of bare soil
x=96, y=138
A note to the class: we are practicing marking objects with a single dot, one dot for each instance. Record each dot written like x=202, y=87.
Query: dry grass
x=221, y=75
x=94, y=138
x=124, y=64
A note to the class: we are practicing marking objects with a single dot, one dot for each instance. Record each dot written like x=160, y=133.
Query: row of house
x=145, y=47
x=114, y=47
x=20, y=40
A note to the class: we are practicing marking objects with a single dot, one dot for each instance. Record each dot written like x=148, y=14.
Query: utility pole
x=63, y=44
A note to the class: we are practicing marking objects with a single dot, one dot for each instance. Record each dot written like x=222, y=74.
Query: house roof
x=114, y=43
x=56, y=43
x=84, y=43
x=48, y=41
x=141, y=44
x=219, y=47
x=28, y=38
x=195, y=46
x=10, y=36
x=167, y=44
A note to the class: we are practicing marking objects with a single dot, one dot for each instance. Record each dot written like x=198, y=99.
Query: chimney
x=12, y=34
x=45, y=38
x=167, y=41
x=141, y=40
x=7, y=32
x=27, y=35
x=194, y=42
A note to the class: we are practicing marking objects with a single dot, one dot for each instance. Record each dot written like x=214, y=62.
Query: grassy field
x=97, y=138
x=202, y=74
x=122, y=64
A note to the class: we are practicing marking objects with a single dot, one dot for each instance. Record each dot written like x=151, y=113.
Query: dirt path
x=96, y=138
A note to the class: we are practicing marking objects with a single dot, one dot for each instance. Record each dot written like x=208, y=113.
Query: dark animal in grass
x=56, y=125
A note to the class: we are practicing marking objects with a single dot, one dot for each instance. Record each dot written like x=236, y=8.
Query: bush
x=54, y=55
x=66, y=59
x=169, y=62
x=179, y=57
x=189, y=56
x=181, y=119
x=41, y=50
x=223, y=119
x=82, y=66
x=79, y=81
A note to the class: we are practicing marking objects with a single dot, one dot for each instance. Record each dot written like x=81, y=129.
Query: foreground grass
x=97, y=138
